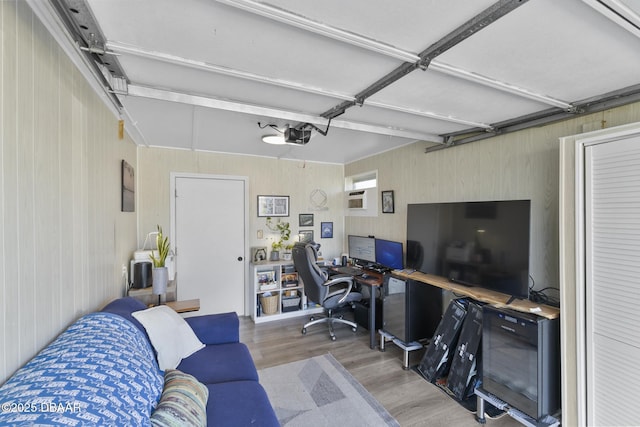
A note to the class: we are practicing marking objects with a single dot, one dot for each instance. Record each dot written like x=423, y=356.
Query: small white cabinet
x=278, y=292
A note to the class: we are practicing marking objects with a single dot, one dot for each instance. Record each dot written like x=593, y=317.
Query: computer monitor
x=389, y=254
x=362, y=248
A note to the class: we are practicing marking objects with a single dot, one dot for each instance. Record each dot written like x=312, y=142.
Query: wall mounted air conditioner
x=357, y=199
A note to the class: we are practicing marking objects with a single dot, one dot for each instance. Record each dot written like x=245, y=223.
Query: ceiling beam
x=258, y=110
x=389, y=131
x=592, y=105
x=499, y=85
x=57, y=23
x=427, y=114
x=619, y=13
x=52, y=15
x=126, y=49
x=77, y=17
x=461, y=33
x=386, y=49
x=295, y=20
x=220, y=104
x=122, y=48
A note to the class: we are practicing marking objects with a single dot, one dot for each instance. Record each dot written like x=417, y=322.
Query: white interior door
x=210, y=219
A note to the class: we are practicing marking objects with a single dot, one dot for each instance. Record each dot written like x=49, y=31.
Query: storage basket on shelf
x=290, y=304
x=269, y=304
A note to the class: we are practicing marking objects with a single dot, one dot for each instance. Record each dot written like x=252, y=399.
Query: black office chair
x=331, y=293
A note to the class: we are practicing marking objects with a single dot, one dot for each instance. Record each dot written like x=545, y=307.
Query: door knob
x=239, y=258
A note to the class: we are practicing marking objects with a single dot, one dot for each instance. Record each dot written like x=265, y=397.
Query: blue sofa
x=102, y=370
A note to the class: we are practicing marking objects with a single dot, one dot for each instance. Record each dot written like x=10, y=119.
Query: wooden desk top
x=497, y=299
x=373, y=277
x=185, y=306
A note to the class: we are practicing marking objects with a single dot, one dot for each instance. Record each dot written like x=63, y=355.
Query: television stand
x=480, y=294
x=483, y=396
x=461, y=282
x=406, y=347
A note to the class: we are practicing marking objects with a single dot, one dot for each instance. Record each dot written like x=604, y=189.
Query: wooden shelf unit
x=280, y=280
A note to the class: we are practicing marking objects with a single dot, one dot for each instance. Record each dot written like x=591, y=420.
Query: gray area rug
x=321, y=392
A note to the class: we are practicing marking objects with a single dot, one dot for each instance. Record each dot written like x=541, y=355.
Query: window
x=361, y=181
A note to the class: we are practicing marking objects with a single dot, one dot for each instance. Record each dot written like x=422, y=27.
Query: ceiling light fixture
x=274, y=139
x=299, y=135
x=290, y=136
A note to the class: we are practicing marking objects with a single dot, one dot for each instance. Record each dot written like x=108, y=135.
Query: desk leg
x=372, y=318
x=480, y=410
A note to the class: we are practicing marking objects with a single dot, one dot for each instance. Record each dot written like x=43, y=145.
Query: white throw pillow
x=170, y=335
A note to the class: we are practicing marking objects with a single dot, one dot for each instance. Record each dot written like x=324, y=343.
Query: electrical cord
x=272, y=126
x=540, y=296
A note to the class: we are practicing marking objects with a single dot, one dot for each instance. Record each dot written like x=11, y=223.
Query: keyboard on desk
x=353, y=271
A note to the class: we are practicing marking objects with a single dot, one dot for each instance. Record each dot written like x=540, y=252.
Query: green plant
x=285, y=234
x=162, y=243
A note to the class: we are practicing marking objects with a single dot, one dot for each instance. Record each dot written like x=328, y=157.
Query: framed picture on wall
x=273, y=206
x=387, y=202
x=305, y=220
x=128, y=189
x=306, y=236
x=258, y=253
x=326, y=230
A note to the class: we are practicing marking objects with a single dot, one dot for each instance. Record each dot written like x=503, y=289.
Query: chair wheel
x=333, y=337
x=304, y=331
x=354, y=329
x=312, y=318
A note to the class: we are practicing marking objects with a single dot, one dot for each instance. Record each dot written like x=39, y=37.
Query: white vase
x=160, y=279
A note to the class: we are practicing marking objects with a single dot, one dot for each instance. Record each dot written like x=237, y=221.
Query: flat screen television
x=389, y=254
x=362, y=249
x=483, y=244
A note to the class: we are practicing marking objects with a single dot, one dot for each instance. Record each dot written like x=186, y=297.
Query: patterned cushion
x=100, y=371
x=183, y=401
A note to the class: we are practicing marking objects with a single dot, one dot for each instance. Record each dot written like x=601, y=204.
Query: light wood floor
x=404, y=393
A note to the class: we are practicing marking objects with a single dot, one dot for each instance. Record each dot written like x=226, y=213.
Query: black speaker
x=142, y=275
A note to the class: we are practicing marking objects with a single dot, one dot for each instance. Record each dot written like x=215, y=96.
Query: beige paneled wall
x=63, y=238
x=497, y=169
x=521, y=165
x=267, y=176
